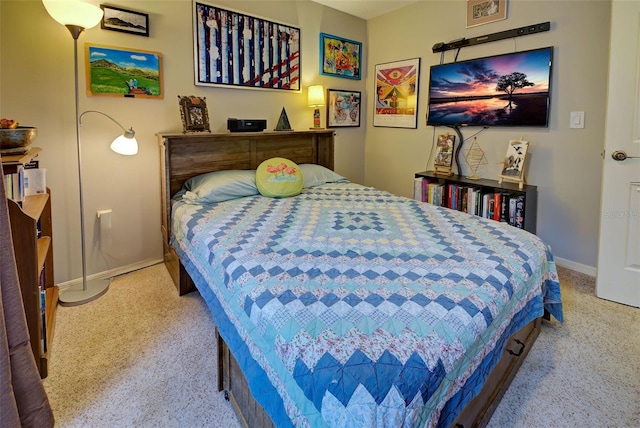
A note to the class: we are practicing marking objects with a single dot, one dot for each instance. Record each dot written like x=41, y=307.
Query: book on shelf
x=493, y=203
x=43, y=310
x=417, y=189
x=28, y=180
x=497, y=204
x=14, y=184
x=35, y=181
x=512, y=211
x=32, y=164
x=504, y=207
x=519, y=212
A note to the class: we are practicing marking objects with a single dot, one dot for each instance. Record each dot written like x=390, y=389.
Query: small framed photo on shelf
x=340, y=57
x=485, y=11
x=343, y=108
x=194, y=114
x=443, y=161
x=513, y=165
x=125, y=21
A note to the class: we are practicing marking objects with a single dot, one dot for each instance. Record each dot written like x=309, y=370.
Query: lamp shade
x=74, y=12
x=316, y=95
x=125, y=144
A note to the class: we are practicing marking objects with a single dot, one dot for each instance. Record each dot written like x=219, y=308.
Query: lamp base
x=76, y=295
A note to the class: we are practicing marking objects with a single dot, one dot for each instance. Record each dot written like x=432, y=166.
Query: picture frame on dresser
x=194, y=114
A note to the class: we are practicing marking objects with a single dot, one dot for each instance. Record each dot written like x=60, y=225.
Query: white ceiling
x=366, y=9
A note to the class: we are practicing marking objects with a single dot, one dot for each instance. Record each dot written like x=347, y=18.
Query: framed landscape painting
x=340, y=57
x=238, y=50
x=123, y=72
x=125, y=21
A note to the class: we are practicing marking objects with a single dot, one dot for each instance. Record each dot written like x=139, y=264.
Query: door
x=618, y=276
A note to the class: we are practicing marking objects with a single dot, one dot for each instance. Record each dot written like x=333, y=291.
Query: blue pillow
x=314, y=175
x=220, y=186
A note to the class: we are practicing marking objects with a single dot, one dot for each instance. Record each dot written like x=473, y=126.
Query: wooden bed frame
x=183, y=156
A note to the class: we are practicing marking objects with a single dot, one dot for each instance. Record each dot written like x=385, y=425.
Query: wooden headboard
x=183, y=156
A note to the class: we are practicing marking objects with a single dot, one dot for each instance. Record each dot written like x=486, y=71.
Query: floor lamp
x=77, y=16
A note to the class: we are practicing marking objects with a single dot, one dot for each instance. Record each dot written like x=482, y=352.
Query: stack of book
x=28, y=179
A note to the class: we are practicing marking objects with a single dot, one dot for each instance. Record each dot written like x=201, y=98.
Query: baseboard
x=578, y=267
x=112, y=272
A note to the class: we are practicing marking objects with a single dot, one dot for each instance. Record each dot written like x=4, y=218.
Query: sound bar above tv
x=516, y=32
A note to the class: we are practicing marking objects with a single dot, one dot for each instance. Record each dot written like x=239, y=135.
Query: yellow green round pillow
x=279, y=178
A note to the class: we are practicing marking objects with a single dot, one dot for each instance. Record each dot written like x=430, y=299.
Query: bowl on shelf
x=21, y=136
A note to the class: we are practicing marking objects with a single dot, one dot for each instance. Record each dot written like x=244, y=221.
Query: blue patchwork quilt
x=349, y=306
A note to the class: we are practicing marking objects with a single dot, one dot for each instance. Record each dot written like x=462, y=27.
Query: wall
x=564, y=163
x=37, y=88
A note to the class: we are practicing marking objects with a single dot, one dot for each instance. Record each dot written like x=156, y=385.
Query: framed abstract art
x=242, y=51
x=340, y=57
x=343, y=108
x=396, y=94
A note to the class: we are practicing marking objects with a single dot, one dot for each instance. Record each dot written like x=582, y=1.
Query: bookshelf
x=529, y=193
x=31, y=229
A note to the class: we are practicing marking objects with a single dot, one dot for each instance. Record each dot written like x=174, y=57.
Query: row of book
x=500, y=205
x=28, y=179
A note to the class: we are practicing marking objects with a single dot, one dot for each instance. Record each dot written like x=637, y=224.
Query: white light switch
x=577, y=119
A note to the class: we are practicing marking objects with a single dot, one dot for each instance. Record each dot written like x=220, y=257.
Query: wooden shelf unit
x=530, y=192
x=32, y=232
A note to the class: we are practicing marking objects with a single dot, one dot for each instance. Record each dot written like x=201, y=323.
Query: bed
x=346, y=305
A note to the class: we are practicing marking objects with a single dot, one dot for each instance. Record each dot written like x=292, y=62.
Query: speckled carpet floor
x=143, y=356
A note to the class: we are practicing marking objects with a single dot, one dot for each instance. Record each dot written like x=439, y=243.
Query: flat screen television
x=503, y=90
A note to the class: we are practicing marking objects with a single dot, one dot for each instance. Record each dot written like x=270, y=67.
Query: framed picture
x=125, y=21
x=513, y=165
x=194, y=114
x=343, y=108
x=396, y=94
x=123, y=72
x=243, y=51
x=340, y=57
x=485, y=11
x=444, y=150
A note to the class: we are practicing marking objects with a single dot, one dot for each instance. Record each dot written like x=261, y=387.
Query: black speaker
x=246, y=125
x=515, y=32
